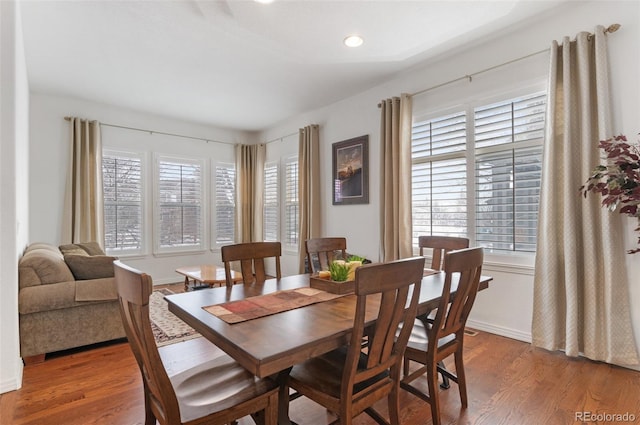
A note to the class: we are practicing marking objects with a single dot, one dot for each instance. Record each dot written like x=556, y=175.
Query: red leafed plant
x=619, y=180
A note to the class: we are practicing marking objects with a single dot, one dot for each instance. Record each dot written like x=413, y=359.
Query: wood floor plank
x=509, y=382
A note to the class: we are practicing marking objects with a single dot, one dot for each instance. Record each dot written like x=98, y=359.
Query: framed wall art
x=351, y=171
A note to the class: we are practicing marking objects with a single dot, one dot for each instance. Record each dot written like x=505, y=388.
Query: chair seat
x=215, y=386
x=326, y=372
x=419, y=341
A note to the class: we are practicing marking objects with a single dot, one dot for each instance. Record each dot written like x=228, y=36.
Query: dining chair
x=324, y=249
x=205, y=386
x=439, y=246
x=349, y=380
x=445, y=334
x=252, y=257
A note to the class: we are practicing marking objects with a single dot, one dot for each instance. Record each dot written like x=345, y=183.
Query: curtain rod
x=610, y=29
x=279, y=139
x=160, y=132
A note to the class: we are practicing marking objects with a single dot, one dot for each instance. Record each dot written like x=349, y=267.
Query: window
x=291, y=208
x=122, y=190
x=179, y=215
x=480, y=179
x=225, y=203
x=271, y=204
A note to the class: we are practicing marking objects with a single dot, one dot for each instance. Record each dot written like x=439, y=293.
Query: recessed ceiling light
x=353, y=41
x=263, y=1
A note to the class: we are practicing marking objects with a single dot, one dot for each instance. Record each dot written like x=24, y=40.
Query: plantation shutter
x=271, y=204
x=225, y=199
x=180, y=204
x=439, y=182
x=291, y=203
x=508, y=140
x=122, y=191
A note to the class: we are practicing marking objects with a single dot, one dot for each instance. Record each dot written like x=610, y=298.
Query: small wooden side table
x=207, y=275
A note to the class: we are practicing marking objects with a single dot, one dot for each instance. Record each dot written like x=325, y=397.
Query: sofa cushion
x=47, y=297
x=96, y=290
x=63, y=295
x=40, y=266
x=90, y=267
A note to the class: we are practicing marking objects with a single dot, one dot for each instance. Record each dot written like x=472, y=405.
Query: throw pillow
x=86, y=267
x=92, y=248
x=84, y=248
x=72, y=249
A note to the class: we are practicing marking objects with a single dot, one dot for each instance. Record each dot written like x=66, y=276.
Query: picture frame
x=350, y=178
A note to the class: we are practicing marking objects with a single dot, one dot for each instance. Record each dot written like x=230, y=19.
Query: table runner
x=265, y=305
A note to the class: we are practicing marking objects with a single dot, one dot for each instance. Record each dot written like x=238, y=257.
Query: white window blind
x=225, y=203
x=122, y=191
x=271, y=204
x=439, y=176
x=291, y=225
x=481, y=179
x=179, y=213
x=508, y=138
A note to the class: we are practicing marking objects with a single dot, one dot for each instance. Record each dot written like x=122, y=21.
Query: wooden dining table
x=271, y=345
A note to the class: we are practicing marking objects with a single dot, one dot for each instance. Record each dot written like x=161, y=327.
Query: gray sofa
x=67, y=298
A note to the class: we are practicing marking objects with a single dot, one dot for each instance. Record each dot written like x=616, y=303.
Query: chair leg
x=434, y=398
x=462, y=381
x=394, y=405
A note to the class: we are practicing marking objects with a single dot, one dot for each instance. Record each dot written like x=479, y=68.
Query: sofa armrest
x=54, y=296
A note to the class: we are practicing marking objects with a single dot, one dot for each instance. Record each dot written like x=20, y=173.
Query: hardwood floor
x=509, y=383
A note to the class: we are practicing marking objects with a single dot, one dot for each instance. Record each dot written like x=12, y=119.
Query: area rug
x=167, y=327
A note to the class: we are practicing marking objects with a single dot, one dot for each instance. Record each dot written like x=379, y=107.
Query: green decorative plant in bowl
x=339, y=271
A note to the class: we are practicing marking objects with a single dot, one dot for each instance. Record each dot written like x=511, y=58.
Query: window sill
x=179, y=253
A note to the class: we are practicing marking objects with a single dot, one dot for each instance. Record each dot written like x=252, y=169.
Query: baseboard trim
x=500, y=330
x=14, y=383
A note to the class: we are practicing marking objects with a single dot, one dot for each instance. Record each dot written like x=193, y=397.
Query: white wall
x=506, y=307
x=14, y=166
x=49, y=158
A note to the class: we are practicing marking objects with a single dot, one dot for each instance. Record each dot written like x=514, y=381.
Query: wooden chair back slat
x=324, y=249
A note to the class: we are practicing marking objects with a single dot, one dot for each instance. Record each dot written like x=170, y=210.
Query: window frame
x=193, y=248
x=142, y=250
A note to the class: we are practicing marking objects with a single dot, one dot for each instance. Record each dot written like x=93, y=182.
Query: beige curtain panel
x=395, y=140
x=309, y=187
x=83, y=216
x=250, y=161
x=581, y=296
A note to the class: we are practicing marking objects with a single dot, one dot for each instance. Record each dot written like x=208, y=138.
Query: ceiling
x=240, y=64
